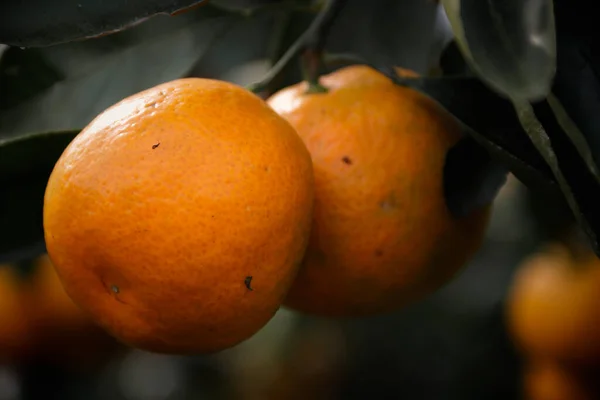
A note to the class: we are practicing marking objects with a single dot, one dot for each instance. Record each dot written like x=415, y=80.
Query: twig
x=311, y=68
x=315, y=34
x=318, y=38
x=312, y=58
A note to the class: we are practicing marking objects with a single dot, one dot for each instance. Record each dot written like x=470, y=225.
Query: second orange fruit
x=382, y=235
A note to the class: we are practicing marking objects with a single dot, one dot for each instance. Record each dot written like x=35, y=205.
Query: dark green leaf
x=566, y=126
x=579, y=185
x=492, y=122
x=25, y=166
x=287, y=29
x=510, y=43
x=245, y=41
x=532, y=144
x=363, y=28
x=101, y=72
x=576, y=90
x=24, y=74
x=452, y=61
x=472, y=178
x=40, y=22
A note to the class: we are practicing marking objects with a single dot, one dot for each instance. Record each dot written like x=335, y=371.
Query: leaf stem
x=541, y=141
x=311, y=63
x=313, y=38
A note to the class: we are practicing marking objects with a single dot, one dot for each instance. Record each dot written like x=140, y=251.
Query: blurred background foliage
x=499, y=77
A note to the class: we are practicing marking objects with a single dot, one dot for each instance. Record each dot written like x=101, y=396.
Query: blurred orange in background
x=554, y=318
x=63, y=331
x=554, y=305
x=15, y=324
x=38, y=321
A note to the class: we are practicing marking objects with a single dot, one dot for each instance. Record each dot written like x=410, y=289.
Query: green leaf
x=24, y=74
x=35, y=23
x=389, y=31
x=579, y=186
x=568, y=120
x=527, y=138
x=246, y=40
x=575, y=97
x=492, y=122
x=577, y=138
x=25, y=166
x=532, y=142
x=99, y=73
x=453, y=63
x=472, y=178
x=510, y=43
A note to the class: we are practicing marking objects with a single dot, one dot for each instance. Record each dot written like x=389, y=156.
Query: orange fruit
x=179, y=216
x=64, y=332
x=382, y=234
x=15, y=338
x=549, y=380
x=553, y=307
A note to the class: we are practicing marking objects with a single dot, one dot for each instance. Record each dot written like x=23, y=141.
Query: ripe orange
x=15, y=332
x=382, y=234
x=179, y=216
x=553, y=308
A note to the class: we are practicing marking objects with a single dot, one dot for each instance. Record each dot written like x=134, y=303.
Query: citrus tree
x=520, y=77
x=516, y=83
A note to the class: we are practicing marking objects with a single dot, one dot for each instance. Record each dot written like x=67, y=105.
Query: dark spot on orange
x=247, y=282
x=347, y=160
x=155, y=145
x=378, y=252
